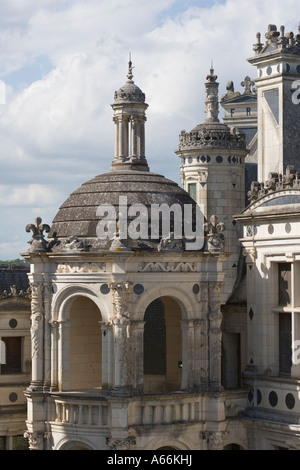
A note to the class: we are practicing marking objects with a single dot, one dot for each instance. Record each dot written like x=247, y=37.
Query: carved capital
x=35, y=439
x=250, y=253
x=121, y=296
x=120, y=444
x=214, y=440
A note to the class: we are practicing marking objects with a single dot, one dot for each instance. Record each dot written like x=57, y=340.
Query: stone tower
x=278, y=73
x=126, y=332
x=129, y=118
x=212, y=172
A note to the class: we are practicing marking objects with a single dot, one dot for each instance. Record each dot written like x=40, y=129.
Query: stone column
x=198, y=324
x=54, y=357
x=137, y=358
x=117, y=131
x=187, y=354
x=215, y=335
x=37, y=343
x=63, y=356
x=142, y=139
x=123, y=138
x=121, y=296
x=134, y=149
x=107, y=354
x=47, y=337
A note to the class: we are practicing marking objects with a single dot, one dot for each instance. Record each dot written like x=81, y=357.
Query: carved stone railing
x=71, y=411
x=276, y=182
x=211, y=138
x=278, y=40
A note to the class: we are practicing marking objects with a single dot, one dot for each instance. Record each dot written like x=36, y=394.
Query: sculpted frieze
x=65, y=268
x=154, y=267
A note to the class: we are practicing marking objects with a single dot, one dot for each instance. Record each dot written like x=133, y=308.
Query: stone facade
x=213, y=172
x=145, y=344
x=15, y=357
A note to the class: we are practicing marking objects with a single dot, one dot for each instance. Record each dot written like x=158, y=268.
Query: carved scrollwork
x=120, y=444
x=167, y=267
x=64, y=268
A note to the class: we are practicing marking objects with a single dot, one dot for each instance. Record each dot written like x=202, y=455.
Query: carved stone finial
x=258, y=46
x=248, y=84
x=38, y=242
x=211, y=77
x=213, y=230
x=130, y=67
x=212, y=100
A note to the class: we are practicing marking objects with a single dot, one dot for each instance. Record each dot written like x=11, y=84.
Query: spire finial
x=211, y=77
x=130, y=75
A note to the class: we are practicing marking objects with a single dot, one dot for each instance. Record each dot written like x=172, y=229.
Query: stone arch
x=165, y=442
x=77, y=339
x=85, y=345
x=189, y=325
x=63, y=300
x=236, y=439
x=67, y=444
x=162, y=358
x=182, y=294
x=232, y=446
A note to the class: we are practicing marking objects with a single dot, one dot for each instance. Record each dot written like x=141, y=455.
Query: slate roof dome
x=76, y=225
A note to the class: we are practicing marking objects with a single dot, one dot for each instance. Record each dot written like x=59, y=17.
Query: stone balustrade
x=66, y=411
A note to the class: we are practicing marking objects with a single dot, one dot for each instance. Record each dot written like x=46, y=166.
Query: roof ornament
x=211, y=77
x=248, y=84
x=130, y=67
x=213, y=231
x=38, y=242
x=212, y=100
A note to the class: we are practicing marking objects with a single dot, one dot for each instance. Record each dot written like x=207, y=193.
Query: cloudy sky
x=62, y=60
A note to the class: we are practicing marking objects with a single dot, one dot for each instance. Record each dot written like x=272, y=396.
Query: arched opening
x=232, y=447
x=167, y=448
x=85, y=345
x=162, y=346
x=74, y=445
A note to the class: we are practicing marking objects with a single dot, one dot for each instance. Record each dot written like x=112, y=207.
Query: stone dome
x=130, y=92
x=75, y=224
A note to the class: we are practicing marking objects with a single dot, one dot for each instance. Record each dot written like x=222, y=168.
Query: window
x=285, y=343
x=248, y=111
x=192, y=190
x=20, y=443
x=284, y=284
x=232, y=112
x=13, y=443
x=11, y=363
x=155, y=339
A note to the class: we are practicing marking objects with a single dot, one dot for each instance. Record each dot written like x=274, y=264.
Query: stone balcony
x=84, y=409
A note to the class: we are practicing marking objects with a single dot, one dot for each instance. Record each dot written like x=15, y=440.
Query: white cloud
x=57, y=132
x=28, y=195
